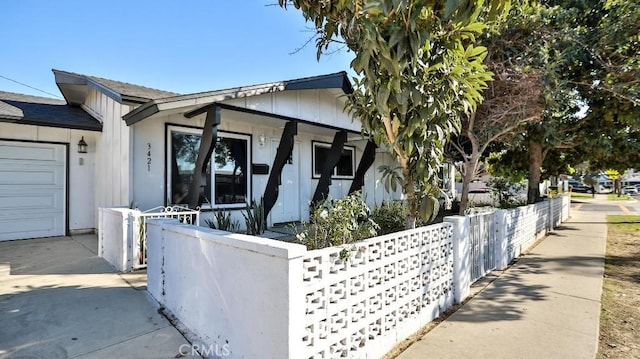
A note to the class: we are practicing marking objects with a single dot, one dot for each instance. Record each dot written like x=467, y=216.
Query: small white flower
x=324, y=214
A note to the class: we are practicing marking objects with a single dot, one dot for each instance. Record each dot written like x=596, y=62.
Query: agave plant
x=254, y=218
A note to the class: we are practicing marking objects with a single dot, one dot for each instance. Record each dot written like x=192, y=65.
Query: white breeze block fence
x=261, y=298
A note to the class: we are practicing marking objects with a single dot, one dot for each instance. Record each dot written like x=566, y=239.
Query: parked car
x=630, y=190
x=576, y=186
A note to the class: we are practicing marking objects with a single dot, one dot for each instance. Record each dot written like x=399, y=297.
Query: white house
x=290, y=142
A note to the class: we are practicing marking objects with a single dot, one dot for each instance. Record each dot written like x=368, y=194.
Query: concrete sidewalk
x=547, y=305
x=58, y=299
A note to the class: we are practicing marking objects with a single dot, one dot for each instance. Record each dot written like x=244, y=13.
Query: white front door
x=287, y=207
x=32, y=190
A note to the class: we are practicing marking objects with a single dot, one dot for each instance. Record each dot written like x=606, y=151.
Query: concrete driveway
x=58, y=299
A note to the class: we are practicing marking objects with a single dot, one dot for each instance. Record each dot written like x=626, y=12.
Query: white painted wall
x=82, y=208
x=149, y=182
x=318, y=106
x=230, y=290
x=114, y=237
x=113, y=160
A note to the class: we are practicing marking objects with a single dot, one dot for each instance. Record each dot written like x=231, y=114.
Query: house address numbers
x=149, y=156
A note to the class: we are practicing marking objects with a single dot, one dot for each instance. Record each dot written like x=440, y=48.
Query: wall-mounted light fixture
x=262, y=139
x=82, y=146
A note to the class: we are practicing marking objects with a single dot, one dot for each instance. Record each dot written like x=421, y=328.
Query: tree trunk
x=410, y=192
x=535, y=172
x=469, y=170
x=410, y=222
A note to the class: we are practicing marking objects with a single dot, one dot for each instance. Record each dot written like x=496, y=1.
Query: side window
x=346, y=164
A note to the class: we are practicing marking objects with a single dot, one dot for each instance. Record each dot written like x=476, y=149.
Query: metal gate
x=483, y=244
x=182, y=214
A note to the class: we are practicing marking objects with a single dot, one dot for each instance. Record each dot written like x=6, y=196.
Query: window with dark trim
x=345, y=169
x=227, y=185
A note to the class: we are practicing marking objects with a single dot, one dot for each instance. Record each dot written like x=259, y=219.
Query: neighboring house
x=290, y=142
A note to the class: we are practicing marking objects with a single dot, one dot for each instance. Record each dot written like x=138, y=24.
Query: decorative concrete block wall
x=361, y=298
x=261, y=298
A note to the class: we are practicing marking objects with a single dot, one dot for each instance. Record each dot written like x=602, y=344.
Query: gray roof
x=73, y=87
x=130, y=90
x=44, y=111
x=338, y=80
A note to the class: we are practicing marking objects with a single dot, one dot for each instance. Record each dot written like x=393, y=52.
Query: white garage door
x=32, y=190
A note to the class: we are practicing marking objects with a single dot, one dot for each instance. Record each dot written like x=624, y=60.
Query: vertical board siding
x=113, y=158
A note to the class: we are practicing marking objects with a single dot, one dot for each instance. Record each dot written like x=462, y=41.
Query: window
x=346, y=164
x=228, y=184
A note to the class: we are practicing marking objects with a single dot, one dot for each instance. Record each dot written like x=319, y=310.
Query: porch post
x=207, y=143
x=322, y=190
x=368, y=157
x=285, y=149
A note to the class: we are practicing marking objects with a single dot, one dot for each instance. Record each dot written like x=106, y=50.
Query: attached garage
x=46, y=185
x=32, y=189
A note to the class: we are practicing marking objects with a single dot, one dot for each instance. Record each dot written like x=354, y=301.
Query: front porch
x=285, y=232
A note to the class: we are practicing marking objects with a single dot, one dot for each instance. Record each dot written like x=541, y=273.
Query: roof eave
x=336, y=80
x=9, y=118
x=27, y=121
x=140, y=113
x=68, y=84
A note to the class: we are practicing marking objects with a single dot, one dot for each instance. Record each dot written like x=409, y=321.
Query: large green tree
x=419, y=70
x=589, y=51
x=511, y=100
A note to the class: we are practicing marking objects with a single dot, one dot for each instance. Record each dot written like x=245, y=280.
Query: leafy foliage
x=512, y=98
x=419, y=71
x=497, y=168
x=390, y=216
x=589, y=52
x=506, y=192
x=337, y=222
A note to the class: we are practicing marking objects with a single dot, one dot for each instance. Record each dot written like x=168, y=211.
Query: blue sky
x=183, y=46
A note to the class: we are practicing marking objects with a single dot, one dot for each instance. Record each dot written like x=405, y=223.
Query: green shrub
x=338, y=221
x=391, y=216
x=505, y=192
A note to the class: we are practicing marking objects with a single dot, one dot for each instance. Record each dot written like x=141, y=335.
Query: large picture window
x=227, y=181
x=345, y=167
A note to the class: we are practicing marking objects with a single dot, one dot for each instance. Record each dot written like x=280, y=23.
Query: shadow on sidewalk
x=503, y=298
x=507, y=297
